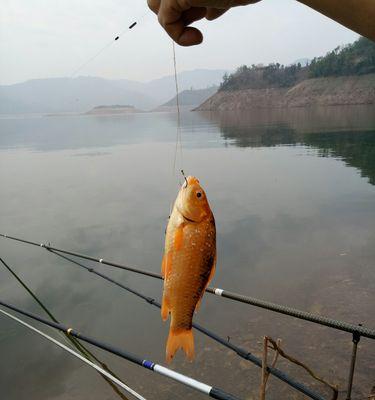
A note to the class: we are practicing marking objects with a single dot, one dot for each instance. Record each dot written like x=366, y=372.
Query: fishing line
x=178, y=144
x=92, y=58
x=75, y=354
x=178, y=131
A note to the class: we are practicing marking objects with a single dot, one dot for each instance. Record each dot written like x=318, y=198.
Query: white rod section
x=202, y=387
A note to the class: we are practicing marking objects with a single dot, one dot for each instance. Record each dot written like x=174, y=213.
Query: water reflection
x=293, y=227
x=91, y=132
x=346, y=133
x=356, y=148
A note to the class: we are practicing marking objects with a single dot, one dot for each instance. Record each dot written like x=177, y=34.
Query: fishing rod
x=77, y=355
x=43, y=307
x=281, y=309
x=73, y=341
x=211, y=391
x=238, y=350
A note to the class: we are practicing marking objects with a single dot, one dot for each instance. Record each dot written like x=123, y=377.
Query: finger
x=184, y=36
x=221, y=3
x=171, y=11
x=194, y=14
x=171, y=18
x=154, y=5
x=213, y=13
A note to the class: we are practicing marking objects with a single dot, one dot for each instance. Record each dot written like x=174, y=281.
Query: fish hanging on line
x=188, y=264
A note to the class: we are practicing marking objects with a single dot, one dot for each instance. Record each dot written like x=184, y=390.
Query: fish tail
x=181, y=339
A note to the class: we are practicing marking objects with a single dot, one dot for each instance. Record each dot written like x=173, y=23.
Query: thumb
x=213, y=13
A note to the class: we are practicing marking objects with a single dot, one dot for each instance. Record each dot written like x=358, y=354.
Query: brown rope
x=262, y=389
x=276, y=347
x=265, y=372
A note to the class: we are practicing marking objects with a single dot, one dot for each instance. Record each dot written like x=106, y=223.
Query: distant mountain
x=67, y=95
x=80, y=94
x=196, y=79
x=189, y=98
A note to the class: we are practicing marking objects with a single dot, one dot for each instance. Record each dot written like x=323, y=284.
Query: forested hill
x=260, y=77
x=357, y=58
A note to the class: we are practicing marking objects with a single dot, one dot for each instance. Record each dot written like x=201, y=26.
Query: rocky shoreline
x=343, y=90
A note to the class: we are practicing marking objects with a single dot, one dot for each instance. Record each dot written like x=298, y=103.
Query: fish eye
x=199, y=194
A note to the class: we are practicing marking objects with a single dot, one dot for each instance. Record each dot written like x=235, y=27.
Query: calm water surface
x=294, y=199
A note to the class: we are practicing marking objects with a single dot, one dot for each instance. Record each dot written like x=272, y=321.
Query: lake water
x=294, y=199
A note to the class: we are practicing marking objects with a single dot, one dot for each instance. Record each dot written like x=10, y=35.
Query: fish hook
x=183, y=174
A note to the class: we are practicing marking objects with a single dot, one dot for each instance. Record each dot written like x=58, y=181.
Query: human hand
x=175, y=16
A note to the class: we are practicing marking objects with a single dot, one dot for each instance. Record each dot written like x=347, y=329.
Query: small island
x=112, y=110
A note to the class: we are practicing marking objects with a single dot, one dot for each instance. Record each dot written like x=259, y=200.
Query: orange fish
x=188, y=264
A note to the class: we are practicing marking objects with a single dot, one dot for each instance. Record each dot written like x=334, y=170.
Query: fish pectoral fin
x=212, y=273
x=166, y=265
x=163, y=265
x=179, y=237
x=198, y=305
x=182, y=339
x=165, y=307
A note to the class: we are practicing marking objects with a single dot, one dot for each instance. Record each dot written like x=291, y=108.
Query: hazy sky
x=52, y=38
